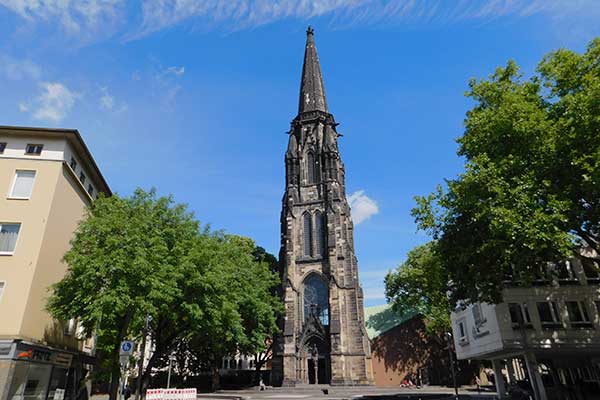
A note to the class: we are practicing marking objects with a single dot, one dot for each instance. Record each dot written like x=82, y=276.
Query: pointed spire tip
x=310, y=31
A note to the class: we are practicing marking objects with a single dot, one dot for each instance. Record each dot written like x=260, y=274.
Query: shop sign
x=62, y=359
x=38, y=354
x=34, y=355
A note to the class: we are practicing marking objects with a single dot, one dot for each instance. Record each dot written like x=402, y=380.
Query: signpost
x=125, y=352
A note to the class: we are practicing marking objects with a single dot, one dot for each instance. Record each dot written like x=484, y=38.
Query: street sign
x=126, y=348
x=124, y=360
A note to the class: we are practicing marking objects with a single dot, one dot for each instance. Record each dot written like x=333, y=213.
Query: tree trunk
x=116, y=371
x=146, y=375
x=216, y=379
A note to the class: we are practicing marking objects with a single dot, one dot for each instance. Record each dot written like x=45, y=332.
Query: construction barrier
x=171, y=394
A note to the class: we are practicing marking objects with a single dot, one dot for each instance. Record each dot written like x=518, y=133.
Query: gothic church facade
x=323, y=338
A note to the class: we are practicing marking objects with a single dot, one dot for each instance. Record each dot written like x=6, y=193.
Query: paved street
x=338, y=393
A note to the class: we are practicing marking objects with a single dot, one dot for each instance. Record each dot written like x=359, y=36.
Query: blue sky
x=194, y=97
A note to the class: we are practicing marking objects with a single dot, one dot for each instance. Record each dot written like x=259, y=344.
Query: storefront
x=34, y=372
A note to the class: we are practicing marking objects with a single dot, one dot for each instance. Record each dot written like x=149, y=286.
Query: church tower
x=323, y=338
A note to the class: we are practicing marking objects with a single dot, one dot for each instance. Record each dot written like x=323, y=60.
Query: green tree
x=145, y=256
x=125, y=263
x=242, y=309
x=529, y=195
x=421, y=284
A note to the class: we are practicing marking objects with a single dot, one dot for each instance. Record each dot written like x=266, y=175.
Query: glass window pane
x=515, y=311
x=310, y=164
x=307, y=235
x=23, y=184
x=544, y=311
x=8, y=237
x=316, y=299
x=574, y=313
x=320, y=232
x=37, y=382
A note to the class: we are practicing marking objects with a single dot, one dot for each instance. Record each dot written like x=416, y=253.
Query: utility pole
x=143, y=352
x=452, y=365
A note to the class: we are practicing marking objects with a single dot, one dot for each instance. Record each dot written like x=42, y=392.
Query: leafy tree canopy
x=530, y=192
x=146, y=256
x=421, y=284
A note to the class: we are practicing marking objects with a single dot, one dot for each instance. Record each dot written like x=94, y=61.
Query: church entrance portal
x=318, y=372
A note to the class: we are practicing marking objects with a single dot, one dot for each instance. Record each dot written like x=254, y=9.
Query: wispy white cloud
x=177, y=71
x=240, y=14
x=15, y=69
x=167, y=81
x=107, y=101
x=53, y=104
x=141, y=18
x=83, y=18
x=362, y=206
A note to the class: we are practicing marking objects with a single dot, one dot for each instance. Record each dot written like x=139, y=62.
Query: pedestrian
x=126, y=392
x=478, y=383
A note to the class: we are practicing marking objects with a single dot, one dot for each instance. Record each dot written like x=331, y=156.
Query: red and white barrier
x=171, y=394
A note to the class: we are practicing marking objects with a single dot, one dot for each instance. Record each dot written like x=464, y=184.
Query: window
x=70, y=326
x=478, y=315
x=311, y=168
x=225, y=363
x=22, y=184
x=565, y=274
x=2, y=285
x=316, y=299
x=549, y=315
x=462, y=332
x=519, y=315
x=8, y=237
x=82, y=177
x=578, y=314
x=73, y=164
x=90, y=190
x=320, y=233
x=591, y=270
x=307, y=235
x=2, y=147
x=34, y=149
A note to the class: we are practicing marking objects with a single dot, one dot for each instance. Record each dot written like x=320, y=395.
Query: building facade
x=47, y=179
x=402, y=350
x=324, y=339
x=545, y=338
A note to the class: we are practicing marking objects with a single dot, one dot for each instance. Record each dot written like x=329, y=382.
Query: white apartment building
x=546, y=337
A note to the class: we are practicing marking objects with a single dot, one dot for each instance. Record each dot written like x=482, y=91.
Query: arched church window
x=316, y=298
x=307, y=235
x=319, y=233
x=311, y=168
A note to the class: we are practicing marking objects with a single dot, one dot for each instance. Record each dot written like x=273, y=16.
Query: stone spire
x=312, y=91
